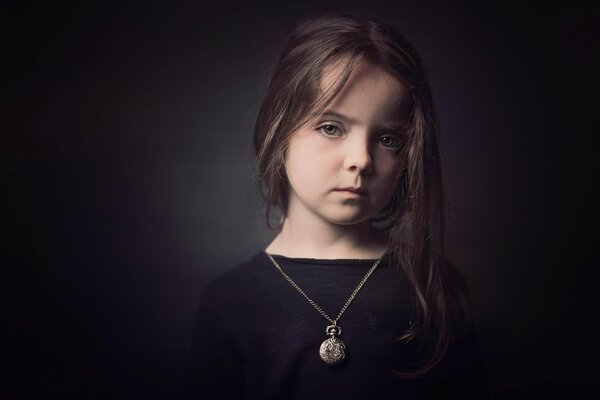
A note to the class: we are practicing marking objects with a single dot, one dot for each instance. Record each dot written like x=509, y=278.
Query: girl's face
x=353, y=144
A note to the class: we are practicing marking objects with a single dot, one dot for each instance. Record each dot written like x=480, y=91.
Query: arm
x=214, y=366
x=462, y=367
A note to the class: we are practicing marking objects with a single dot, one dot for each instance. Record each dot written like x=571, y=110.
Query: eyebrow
x=343, y=117
x=349, y=120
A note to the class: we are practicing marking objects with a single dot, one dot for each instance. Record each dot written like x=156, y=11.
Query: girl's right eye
x=330, y=130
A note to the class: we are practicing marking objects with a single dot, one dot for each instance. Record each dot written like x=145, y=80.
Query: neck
x=315, y=238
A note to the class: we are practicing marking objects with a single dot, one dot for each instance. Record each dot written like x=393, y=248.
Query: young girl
x=353, y=297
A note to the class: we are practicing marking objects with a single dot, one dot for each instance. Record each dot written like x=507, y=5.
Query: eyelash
x=398, y=142
x=320, y=130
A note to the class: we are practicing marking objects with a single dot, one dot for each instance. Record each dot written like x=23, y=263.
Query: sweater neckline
x=324, y=261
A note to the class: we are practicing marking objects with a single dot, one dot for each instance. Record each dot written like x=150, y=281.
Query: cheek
x=302, y=166
x=307, y=159
x=388, y=165
x=389, y=168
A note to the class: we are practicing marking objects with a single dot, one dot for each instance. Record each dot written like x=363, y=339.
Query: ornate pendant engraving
x=333, y=350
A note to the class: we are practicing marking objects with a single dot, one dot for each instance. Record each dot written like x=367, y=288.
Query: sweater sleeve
x=462, y=367
x=214, y=365
x=464, y=370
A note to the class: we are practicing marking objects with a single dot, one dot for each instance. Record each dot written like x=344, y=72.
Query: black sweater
x=258, y=337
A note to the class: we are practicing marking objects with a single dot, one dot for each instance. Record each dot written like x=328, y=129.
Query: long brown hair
x=415, y=212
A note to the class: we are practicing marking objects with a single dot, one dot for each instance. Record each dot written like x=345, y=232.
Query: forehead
x=370, y=92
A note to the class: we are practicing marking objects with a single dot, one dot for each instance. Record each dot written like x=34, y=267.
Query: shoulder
x=455, y=277
x=458, y=302
x=236, y=284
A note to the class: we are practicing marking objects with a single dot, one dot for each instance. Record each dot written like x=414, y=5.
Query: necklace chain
x=319, y=309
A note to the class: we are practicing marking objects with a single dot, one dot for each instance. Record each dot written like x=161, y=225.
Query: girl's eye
x=391, y=142
x=330, y=130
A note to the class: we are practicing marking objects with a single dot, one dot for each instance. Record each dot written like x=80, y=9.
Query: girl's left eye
x=330, y=130
x=391, y=142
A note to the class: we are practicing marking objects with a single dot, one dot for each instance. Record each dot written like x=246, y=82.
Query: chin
x=350, y=220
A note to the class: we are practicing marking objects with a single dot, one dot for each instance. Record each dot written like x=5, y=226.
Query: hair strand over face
x=416, y=208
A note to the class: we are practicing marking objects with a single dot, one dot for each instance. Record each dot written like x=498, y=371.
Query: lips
x=357, y=190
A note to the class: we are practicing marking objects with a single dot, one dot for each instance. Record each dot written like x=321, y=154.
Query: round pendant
x=333, y=351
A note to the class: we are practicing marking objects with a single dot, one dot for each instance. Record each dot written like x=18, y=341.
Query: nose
x=358, y=154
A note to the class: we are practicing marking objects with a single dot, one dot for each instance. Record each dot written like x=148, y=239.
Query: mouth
x=353, y=190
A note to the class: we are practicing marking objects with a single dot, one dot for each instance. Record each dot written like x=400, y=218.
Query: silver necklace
x=332, y=350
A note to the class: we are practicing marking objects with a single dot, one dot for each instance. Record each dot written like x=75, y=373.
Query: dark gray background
x=126, y=181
